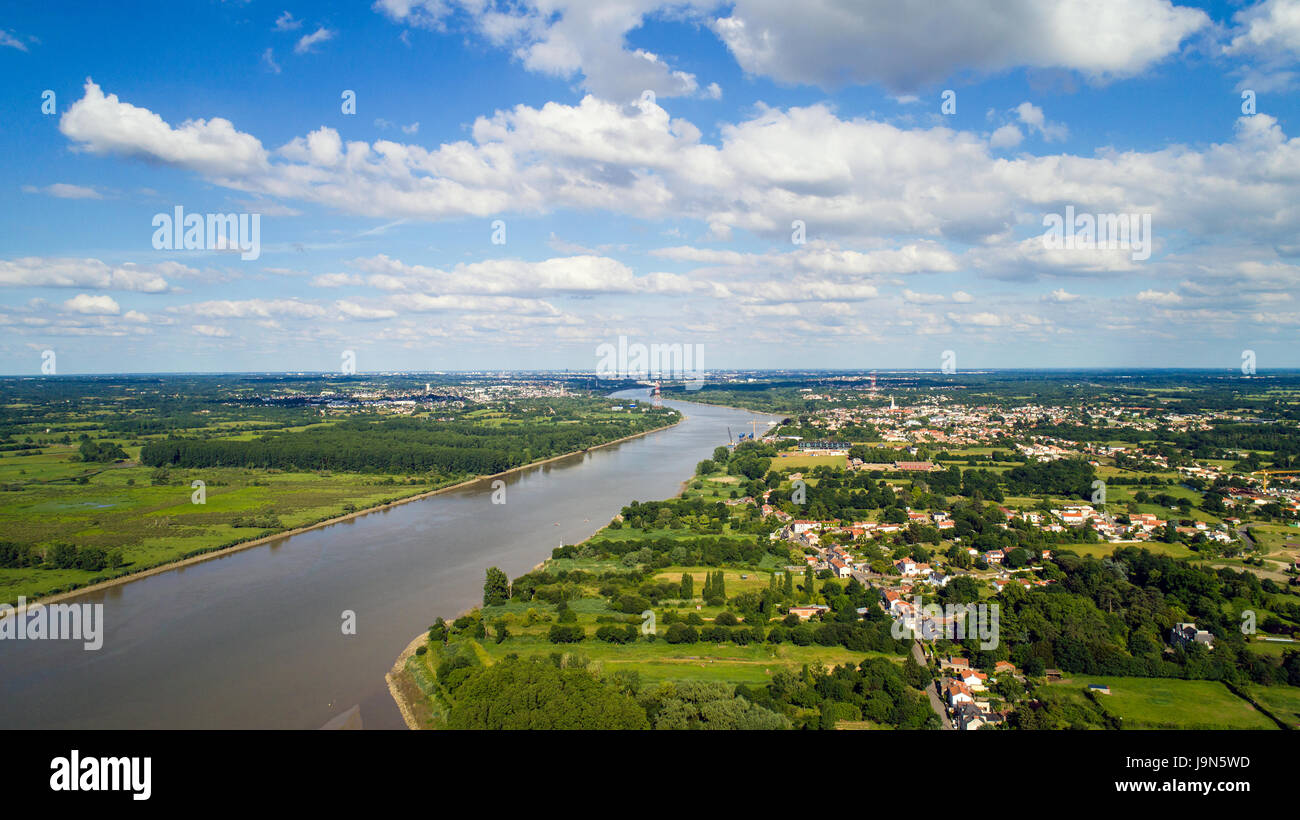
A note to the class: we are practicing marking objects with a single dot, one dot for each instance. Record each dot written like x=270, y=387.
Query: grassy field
x=119, y=508
x=659, y=661
x=714, y=487
x=1282, y=701
x=1272, y=649
x=800, y=461
x=1162, y=703
x=1102, y=550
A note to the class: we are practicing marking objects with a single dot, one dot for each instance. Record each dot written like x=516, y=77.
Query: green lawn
x=1104, y=549
x=800, y=461
x=1282, y=701
x=1163, y=703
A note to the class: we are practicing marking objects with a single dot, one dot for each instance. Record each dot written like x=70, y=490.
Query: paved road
x=935, y=703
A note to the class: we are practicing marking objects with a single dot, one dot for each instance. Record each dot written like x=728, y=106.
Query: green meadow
x=1166, y=703
x=120, y=508
x=1282, y=701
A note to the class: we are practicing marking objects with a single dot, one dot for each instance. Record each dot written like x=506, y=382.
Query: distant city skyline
x=454, y=185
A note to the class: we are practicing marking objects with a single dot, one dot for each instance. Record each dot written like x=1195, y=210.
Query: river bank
x=400, y=686
x=396, y=682
x=222, y=552
x=255, y=640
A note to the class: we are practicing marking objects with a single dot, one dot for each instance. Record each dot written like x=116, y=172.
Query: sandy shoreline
x=258, y=542
x=408, y=717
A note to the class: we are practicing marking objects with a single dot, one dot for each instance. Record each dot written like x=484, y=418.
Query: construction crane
x=730, y=440
x=1267, y=473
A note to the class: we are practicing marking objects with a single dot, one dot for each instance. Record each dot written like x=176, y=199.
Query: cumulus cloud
x=96, y=305
x=582, y=40
x=212, y=331
x=1006, y=136
x=922, y=298
x=583, y=274
x=253, y=309
x=915, y=44
x=850, y=181
x=1270, y=28
x=903, y=46
x=1267, y=36
x=1033, y=117
x=353, y=310
x=103, y=124
x=1159, y=297
x=36, y=271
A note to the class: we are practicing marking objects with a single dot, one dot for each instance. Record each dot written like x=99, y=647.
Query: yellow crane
x=1267, y=473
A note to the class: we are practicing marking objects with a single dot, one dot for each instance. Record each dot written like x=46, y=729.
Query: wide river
x=254, y=639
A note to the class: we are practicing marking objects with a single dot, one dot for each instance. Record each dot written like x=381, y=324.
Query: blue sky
x=664, y=217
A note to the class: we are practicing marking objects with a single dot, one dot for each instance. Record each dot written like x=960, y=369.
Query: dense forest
x=399, y=445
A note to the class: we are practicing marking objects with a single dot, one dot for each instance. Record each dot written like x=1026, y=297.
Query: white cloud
x=909, y=45
x=1033, y=117
x=97, y=305
x=1062, y=295
x=307, y=42
x=859, y=180
x=336, y=280
x=211, y=330
x=268, y=60
x=253, y=309
x=64, y=190
x=352, y=310
x=1268, y=35
x=103, y=124
x=1007, y=136
x=35, y=271
x=922, y=298
x=1270, y=28
x=286, y=22
x=585, y=40
x=1159, y=297
x=7, y=39
x=571, y=274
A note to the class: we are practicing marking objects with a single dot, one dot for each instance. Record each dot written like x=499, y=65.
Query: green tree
x=496, y=589
x=533, y=693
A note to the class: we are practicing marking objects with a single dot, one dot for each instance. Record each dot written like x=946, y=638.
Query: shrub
x=561, y=633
